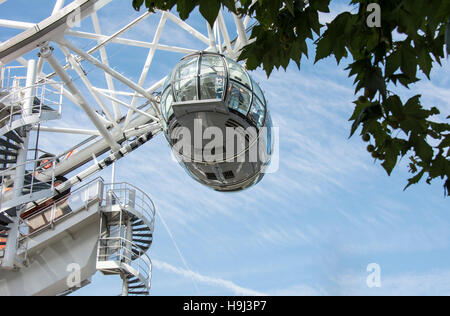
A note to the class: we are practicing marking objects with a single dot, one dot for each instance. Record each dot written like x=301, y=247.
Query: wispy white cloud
x=435, y=282
x=228, y=285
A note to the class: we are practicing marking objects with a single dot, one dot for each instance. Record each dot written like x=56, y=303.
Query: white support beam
x=66, y=130
x=104, y=58
x=217, y=35
x=157, y=85
x=58, y=6
x=187, y=27
x=130, y=42
x=48, y=55
x=16, y=24
x=212, y=39
x=66, y=93
x=242, y=40
x=223, y=28
x=146, y=67
x=89, y=86
x=119, y=32
x=108, y=39
x=113, y=73
x=130, y=107
x=122, y=93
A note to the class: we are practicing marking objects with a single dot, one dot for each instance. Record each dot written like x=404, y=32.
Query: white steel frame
x=134, y=117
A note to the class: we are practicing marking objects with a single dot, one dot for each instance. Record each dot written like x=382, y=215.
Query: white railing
x=34, y=172
x=9, y=77
x=129, y=195
x=50, y=99
x=45, y=216
x=120, y=250
x=12, y=96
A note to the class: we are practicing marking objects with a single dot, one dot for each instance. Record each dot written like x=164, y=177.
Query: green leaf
x=209, y=10
x=390, y=161
x=425, y=62
x=415, y=179
x=409, y=61
x=394, y=105
x=422, y=148
x=137, y=4
x=324, y=48
x=185, y=7
x=290, y=6
x=370, y=112
x=393, y=62
x=320, y=5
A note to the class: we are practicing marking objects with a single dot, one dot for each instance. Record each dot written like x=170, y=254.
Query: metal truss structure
x=51, y=58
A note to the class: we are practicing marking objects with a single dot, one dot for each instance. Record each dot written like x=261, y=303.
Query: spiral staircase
x=35, y=216
x=20, y=177
x=127, y=234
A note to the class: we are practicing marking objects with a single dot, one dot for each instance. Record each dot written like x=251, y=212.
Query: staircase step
x=138, y=292
x=137, y=287
x=143, y=229
x=142, y=235
x=8, y=144
x=4, y=220
x=134, y=281
x=5, y=161
x=12, y=211
x=138, y=223
x=2, y=243
x=3, y=235
x=8, y=153
x=21, y=131
x=3, y=227
x=142, y=244
x=13, y=136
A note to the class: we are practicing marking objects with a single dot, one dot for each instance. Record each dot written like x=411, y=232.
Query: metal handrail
x=41, y=91
x=25, y=226
x=120, y=249
x=8, y=178
x=143, y=204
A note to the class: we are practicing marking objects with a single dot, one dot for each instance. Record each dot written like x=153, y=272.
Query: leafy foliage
x=411, y=37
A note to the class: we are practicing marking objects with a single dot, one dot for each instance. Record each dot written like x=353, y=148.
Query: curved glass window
x=238, y=73
x=258, y=91
x=239, y=98
x=168, y=80
x=257, y=112
x=185, y=80
x=212, y=77
x=269, y=126
x=186, y=68
x=186, y=89
x=166, y=103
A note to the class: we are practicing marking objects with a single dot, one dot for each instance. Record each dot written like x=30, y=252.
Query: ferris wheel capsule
x=216, y=121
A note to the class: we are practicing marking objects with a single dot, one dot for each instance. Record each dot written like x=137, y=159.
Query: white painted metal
x=111, y=127
x=11, y=243
x=48, y=55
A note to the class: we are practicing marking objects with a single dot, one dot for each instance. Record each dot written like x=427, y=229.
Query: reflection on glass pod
x=216, y=121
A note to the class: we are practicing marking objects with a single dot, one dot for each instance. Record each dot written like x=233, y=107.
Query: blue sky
x=312, y=227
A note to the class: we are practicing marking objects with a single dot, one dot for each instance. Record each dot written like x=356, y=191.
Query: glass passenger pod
x=202, y=85
x=210, y=76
